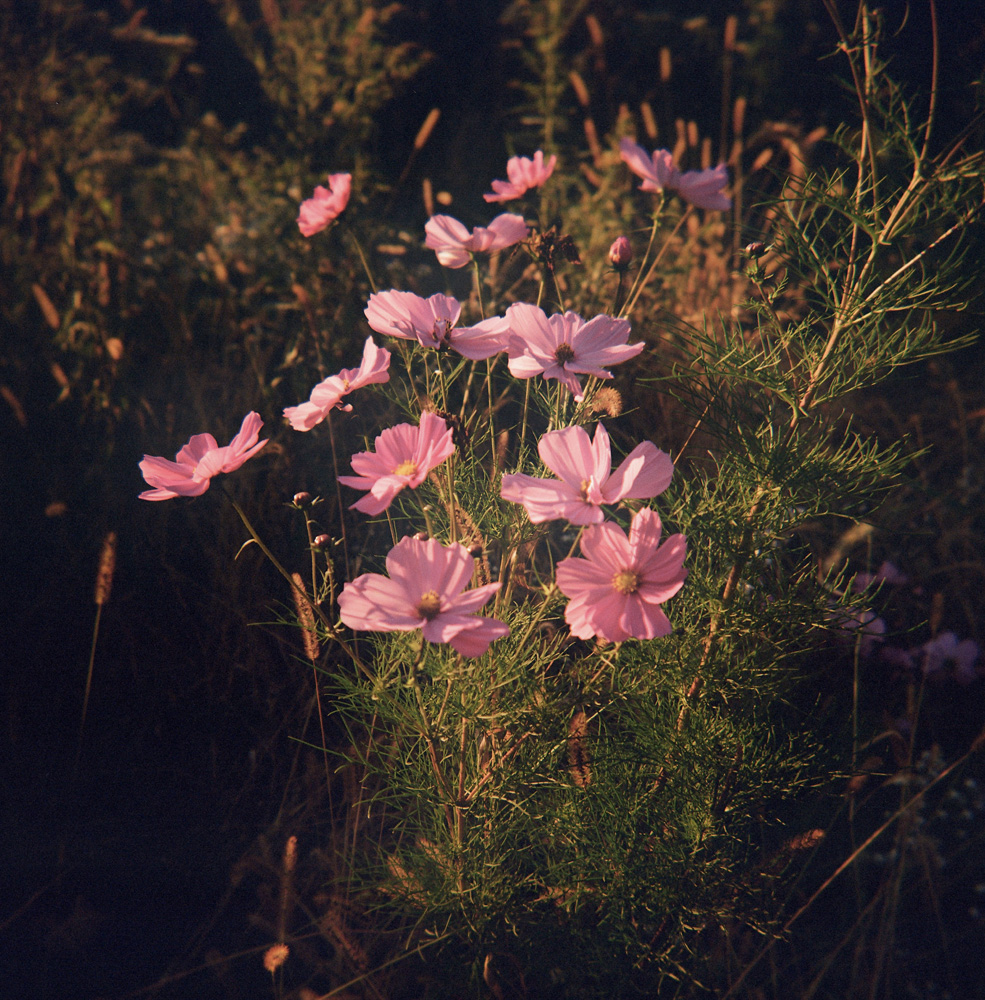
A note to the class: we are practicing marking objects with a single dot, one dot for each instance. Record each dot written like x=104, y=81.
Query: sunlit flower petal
x=327, y=204
x=454, y=244
x=523, y=174
x=329, y=394
x=198, y=461
x=564, y=345
x=616, y=588
x=425, y=590
x=404, y=456
x=702, y=188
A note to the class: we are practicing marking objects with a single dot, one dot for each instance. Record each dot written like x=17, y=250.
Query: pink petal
x=467, y=636
x=607, y=546
x=568, y=454
x=483, y=340
x=644, y=473
x=199, y=445
x=547, y=499
x=421, y=566
x=448, y=238
x=643, y=621
x=507, y=229
x=374, y=602
x=704, y=188
x=469, y=601
x=304, y=416
x=327, y=204
x=644, y=530
x=245, y=445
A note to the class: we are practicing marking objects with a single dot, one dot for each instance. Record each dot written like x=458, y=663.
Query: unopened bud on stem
x=620, y=253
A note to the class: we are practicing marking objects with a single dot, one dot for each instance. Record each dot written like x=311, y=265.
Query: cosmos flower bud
x=302, y=499
x=620, y=253
x=321, y=541
x=755, y=249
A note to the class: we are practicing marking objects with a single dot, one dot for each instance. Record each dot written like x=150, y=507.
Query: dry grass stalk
x=579, y=759
x=307, y=619
x=286, y=885
x=107, y=567
x=424, y=132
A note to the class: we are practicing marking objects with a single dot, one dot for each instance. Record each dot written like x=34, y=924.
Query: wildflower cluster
x=618, y=584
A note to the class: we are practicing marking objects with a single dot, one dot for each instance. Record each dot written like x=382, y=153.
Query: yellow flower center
x=586, y=485
x=626, y=581
x=564, y=352
x=407, y=468
x=429, y=606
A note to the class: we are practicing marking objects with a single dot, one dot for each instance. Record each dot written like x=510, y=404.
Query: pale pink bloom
x=404, y=456
x=432, y=323
x=327, y=204
x=886, y=573
x=616, y=590
x=565, y=345
x=523, y=174
x=425, y=590
x=585, y=480
x=454, y=244
x=191, y=473
x=859, y=624
x=945, y=648
x=703, y=188
x=327, y=395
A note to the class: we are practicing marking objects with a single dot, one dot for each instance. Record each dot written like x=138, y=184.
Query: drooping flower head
x=327, y=204
x=404, y=456
x=564, y=345
x=328, y=394
x=190, y=474
x=703, y=188
x=425, y=590
x=432, y=323
x=523, y=174
x=585, y=478
x=454, y=244
x=616, y=590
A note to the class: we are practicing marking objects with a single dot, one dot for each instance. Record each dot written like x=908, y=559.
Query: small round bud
x=302, y=499
x=421, y=536
x=321, y=541
x=620, y=253
x=755, y=249
x=475, y=550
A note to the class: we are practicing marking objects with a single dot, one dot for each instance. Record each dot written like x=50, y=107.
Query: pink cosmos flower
x=616, y=590
x=454, y=244
x=703, y=188
x=523, y=174
x=565, y=344
x=404, y=455
x=191, y=473
x=328, y=394
x=585, y=480
x=432, y=323
x=425, y=590
x=327, y=204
